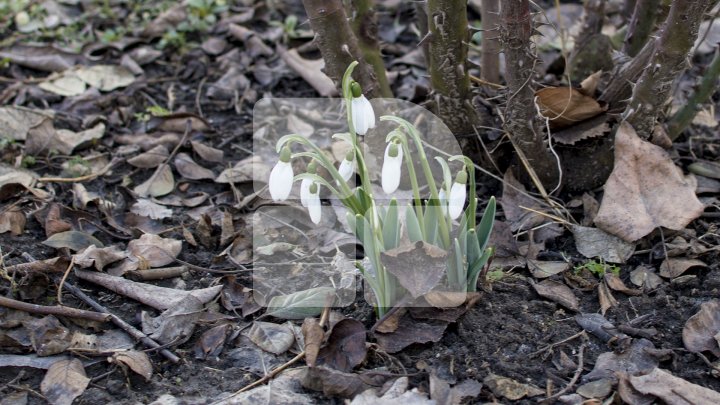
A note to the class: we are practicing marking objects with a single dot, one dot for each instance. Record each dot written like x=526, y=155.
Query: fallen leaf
x=99, y=257
x=445, y=299
x=42, y=57
x=546, y=269
x=313, y=335
x=176, y=324
x=191, y=170
x=155, y=251
x=699, y=333
x=150, y=159
x=13, y=221
x=637, y=359
x=252, y=168
x=557, y=292
x=411, y=331
x=646, y=278
x=418, y=267
x=137, y=361
x=310, y=70
x=674, y=267
x=302, y=304
x=594, y=242
x=606, y=298
x=510, y=389
x=565, y=106
x=105, y=77
x=645, y=190
x=64, y=381
x=73, y=240
x=17, y=120
x=160, y=183
x=596, y=389
x=673, y=390
x=271, y=337
x=208, y=153
x=165, y=21
x=614, y=282
x=211, y=343
x=345, y=347
x=147, y=208
x=335, y=383
x=398, y=393
x=48, y=336
x=67, y=84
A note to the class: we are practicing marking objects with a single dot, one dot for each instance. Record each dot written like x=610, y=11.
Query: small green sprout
x=597, y=268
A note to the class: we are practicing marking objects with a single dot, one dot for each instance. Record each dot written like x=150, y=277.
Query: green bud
x=313, y=188
x=356, y=89
x=350, y=156
x=312, y=167
x=393, y=152
x=462, y=177
x=285, y=154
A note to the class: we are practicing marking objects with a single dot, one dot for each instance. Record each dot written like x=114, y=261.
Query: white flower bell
x=392, y=167
x=363, y=116
x=347, y=166
x=313, y=204
x=458, y=193
x=281, y=177
x=306, y=183
x=442, y=196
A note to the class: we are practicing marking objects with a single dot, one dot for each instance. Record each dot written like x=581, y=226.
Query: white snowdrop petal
x=391, y=169
x=305, y=191
x=346, y=169
x=369, y=112
x=457, y=200
x=315, y=207
x=281, y=179
x=358, y=117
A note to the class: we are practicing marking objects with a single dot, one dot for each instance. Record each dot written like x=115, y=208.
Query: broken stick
x=59, y=310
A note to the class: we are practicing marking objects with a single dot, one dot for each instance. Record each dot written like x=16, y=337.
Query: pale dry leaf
x=511, y=389
x=646, y=278
x=590, y=83
x=271, y=337
x=13, y=221
x=160, y=183
x=187, y=168
x=150, y=159
x=313, y=335
x=105, y=77
x=208, y=153
x=16, y=121
x=147, y=208
x=99, y=257
x=67, y=84
x=594, y=242
x=676, y=266
x=137, y=361
x=673, y=390
x=64, y=381
x=176, y=324
x=557, y=292
x=418, y=267
x=154, y=250
x=252, y=168
x=546, y=269
x=398, y=393
x=311, y=71
x=297, y=125
x=73, y=240
x=700, y=331
x=606, y=298
x=645, y=190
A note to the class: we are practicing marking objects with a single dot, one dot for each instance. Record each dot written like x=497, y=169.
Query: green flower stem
x=412, y=131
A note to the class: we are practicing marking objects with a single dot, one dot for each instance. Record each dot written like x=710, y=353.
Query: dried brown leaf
x=99, y=257
x=208, y=153
x=594, y=242
x=617, y=284
x=646, y=278
x=73, y=240
x=676, y=266
x=13, y=221
x=557, y=292
x=645, y=190
x=418, y=267
x=673, y=390
x=64, y=381
x=211, y=342
x=160, y=183
x=510, y=389
x=154, y=250
x=566, y=106
x=606, y=298
x=411, y=331
x=137, y=361
x=313, y=335
x=150, y=159
x=187, y=167
x=699, y=333
x=271, y=337
x=345, y=347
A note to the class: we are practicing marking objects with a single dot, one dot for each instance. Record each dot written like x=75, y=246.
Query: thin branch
x=58, y=310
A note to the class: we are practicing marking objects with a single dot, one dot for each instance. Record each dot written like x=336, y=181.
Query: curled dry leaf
x=645, y=190
x=310, y=70
x=154, y=250
x=345, y=347
x=73, y=240
x=99, y=257
x=150, y=159
x=64, y=381
x=557, y=292
x=271, y=337
x=160, y=183
x=105, y=77
x=13, y=221
x=187, y=167
x=335, y=383
x=675, y=267
x=606, y=298
x=565, y=106
x=617, y=284
x=208, y=153
x=637, y=359
x=673, y=390
x=147, y=208
x=137, y=361
x=313, y=335
x=700, y=331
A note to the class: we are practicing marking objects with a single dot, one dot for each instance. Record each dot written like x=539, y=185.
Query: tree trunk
x=365, y=26
x=641, y=26
x=490, y=46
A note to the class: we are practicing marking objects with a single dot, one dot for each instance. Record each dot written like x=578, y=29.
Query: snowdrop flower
x=442, y=196
x=456, y=201
x=363, y=116
x=313, y=204
x=392, y=166
x=347, y=166
x=281, y=177
x=306, y=183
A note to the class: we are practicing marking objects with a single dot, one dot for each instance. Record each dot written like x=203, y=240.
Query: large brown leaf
x=64, y=381
x=565, y=106
x=418, y=267
x=702, y=329
x=645, y=190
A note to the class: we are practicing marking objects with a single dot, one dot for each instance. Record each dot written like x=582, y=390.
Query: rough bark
x=705, y=89
x=619, y=87
x=448, y=27
x=521, y=120
x=490, y=44
x=338, y=45
x=421, y=17
x=653, y=89
x=628, y=9
x=365, y=26
x=593, y=50
x=641, y=26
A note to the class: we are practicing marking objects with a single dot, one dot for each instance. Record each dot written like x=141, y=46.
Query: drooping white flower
x=392, y=167
x=347, y=166
x=442, y=196
x=305, y=184
x=313, y=204
x=363, y=116
x=281, y=177
x=458, y=194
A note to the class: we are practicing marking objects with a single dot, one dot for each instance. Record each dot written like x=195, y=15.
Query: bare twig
x=58, y=310
x=576, y=377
